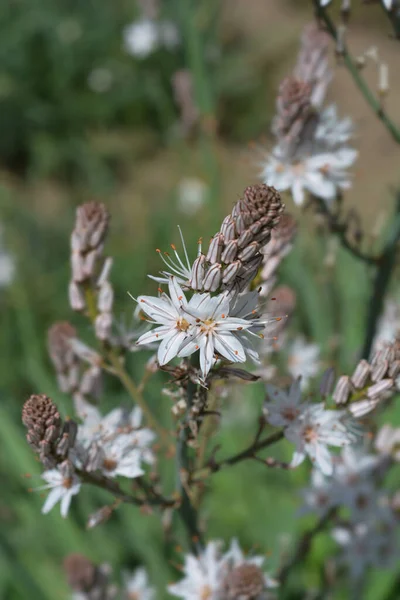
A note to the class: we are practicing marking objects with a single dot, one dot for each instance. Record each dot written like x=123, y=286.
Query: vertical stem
x=382, y=279
x=358, y=79
x=187, y=511
x=304, y=546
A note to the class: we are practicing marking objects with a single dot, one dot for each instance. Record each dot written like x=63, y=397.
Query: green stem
x=303, y=546
x=244, y=455
x=358, y=79
x=382, y=279
x=134, y=392
x=114, y=488
x=187, y=511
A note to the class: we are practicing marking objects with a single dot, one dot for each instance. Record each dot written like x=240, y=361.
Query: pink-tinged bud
x=105, y=297
x=103, y=325
x=76, y=297
x=198, y=273
x=212, y=278
x=215, y=249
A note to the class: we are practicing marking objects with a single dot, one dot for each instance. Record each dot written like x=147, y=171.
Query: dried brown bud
x=80, y=572
x=293, y=108
x=234, y=256
x=47, y=435
x=42, y=419
x=58, y=344
x=312, y=63
x=245, y=582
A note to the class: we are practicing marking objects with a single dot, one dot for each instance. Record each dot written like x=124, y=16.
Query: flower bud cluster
x=49, y=437
x=77, y=366
x=234, y=254
x=281, y=243
x=90, y=581
x=311, y=152
x=90, y=271
x=312, y=63
x=372, y=382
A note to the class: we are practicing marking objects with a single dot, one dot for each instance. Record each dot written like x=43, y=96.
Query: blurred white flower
x=145, y=36
x=322, y=174
x=141, y=38
x=316, y=429
x=136, y=586
x=365, y=545
x=62, y=487
x=318, y=496
x=284, y=406
x=115, y=444
x=303, y=360
x=192, y=195
x=216, y=576
x=203, y=575
x=100, y=80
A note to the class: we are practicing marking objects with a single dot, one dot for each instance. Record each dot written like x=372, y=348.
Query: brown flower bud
x=59, y=348
x=43, y=422
x=234, y=253
x=293, y=108
x=91, y=226
x=245, y=582
x=80, y=572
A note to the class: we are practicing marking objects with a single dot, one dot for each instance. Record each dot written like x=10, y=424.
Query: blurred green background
x=81, y=118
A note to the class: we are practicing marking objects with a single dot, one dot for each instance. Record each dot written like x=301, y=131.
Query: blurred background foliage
x=81, y=118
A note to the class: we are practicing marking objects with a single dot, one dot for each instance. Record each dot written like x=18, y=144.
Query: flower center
x=182, y=324
x=309, y=434
x=207, y=325
x=109, y=464
x=206, y=593
x=67, y=483
x=290, y=413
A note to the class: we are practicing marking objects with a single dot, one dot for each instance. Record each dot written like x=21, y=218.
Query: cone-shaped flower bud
x=234, y=254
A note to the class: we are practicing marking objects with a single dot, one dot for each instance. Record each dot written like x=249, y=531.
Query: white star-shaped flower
x=62, y=488
x=203, y=575
x=316, y=429
x=136, y=586
x=172, y=316
x=284, y=407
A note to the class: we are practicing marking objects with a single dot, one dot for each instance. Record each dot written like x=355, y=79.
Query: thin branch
x=359, y=80
x=394, y=17
x=339, y=228
x=114, y=488
x=303, y=546
x=248, y=453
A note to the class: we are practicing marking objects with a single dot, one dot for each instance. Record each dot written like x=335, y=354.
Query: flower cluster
x=222, y=576
x=367, y=534
x=310, y=427
x=221, y=325
x=311, y=152
x=115, y=445
x=372, y=381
